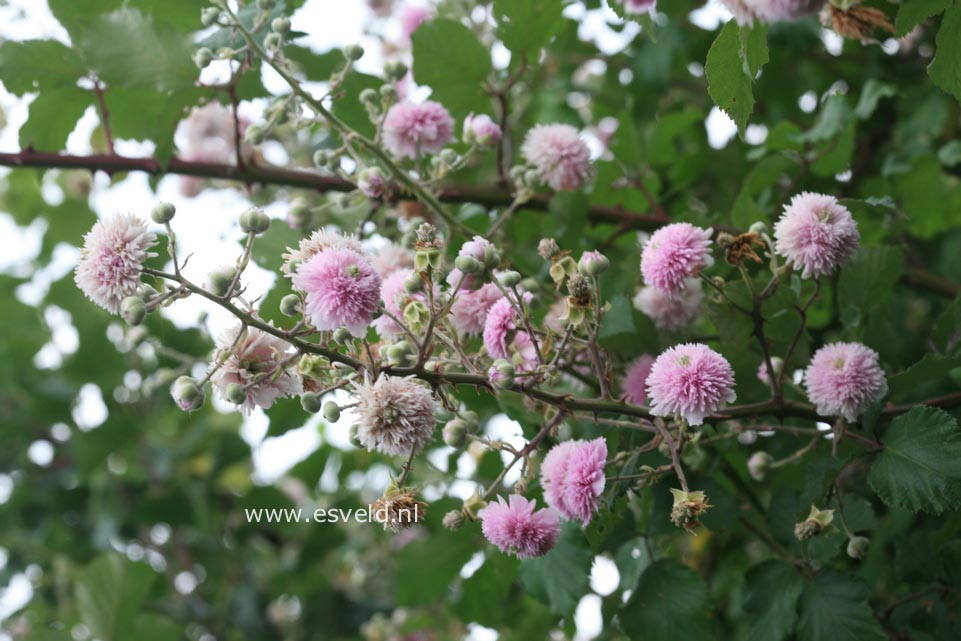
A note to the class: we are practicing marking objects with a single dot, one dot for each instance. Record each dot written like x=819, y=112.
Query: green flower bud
x=413, y=283
x=310, y=402
x=209, y=16
x=449, y=157
x=353, y=52
x=290, y=305
x=203, y=57
x=388, y=92
x=455, y=433
x=313, y=367
x=471, y=420
x=395, y=70
x=234, y=393
x=162, y=213
x=341, y=336
x=280, y=25
x=321, y=157
x=354, y=438
x=368, y=96
x=133, y=310
x=272, y=42
x=510, y=279
x=517, y=173
x=254, y=221
x=593, y=263
x=468, y=265
x=219, y=280
x=187, y=394
x=501, y=374
x=331, y=411
x=858, y=546
x=254, y=134
x=473, y=505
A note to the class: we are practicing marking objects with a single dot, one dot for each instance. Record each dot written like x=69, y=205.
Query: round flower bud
x=321, y=157
x=758, y=465
x=413, y=283
x=272, y=42
x=388, y=92
x=455, y=433
x=449, y=157
x=353, y=52
x=368, y=96
x=331, y=411
x=234, y=393
x=468, y=265
x=203, y=57
x=290, y=305
x=342, y=336
x=593, y=263
x=187, y=394
x=254, y=135
x=220, y=279
x=133, y=310
x=858, y=546
x=310, y=402
x=395, y=70
x=254, y=221
x=209, y=16
x=471, y=421
x=372, y=182
x=353, y=436
x=162, y=213
x=280, y=25
x=453, y=520
x=510, y=279
x=501, y=374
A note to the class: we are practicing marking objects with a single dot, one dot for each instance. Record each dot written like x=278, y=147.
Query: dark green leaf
x=526, y=25
x=732, y=63
x=559, y=578
x=773, y=588
x=930, y=369
x=39, y=64
x=455, y=80
x=920, y=467
x=670, y=602
x=109, y=592
x=53, y=115
x=914, y=12
x=834, y=607
x=945, y=69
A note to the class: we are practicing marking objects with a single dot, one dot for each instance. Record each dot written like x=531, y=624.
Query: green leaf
x=559, y=578
x=945, y=69
x=773, y=588
x=670, y=602
x=139, y=114
x=930, y=369
x=732, y=64
x=920, y=467
x=489, y=585
x=873, y=91
x=929, y=197
x=34, y=65
x=866, y=282
x=128, y=49
x=109, y=592
x=153, y=627
x=53, y=115
x=914, y=12
x=524, y=26
x=72, y=14
x=450, y=60
x=182, y=14
x=425, y=569
x=834, y=607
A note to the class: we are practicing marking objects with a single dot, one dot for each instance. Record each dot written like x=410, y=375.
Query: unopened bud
x=187, y=394
x=509, y=279
x=254, y=221
x=471, y=421
x=468, y=265
x=388, y=92
x=310, y=402
x=593, y=263
x=331, y=412
x=449, y=157
x=220, y=279
x=758, y=465
x=272, y=42
x=395, y=70
x=501, y=374
x=858, y=546
x=280, y=25
x=290, y=305
x=547, y=248
x=162, y=213
x=254, y=134
x=353, y=52
x=368, y=96
x=133, y=310
x=453, y=520
x=203, y=57
x=342, y=336
x=455, y=433
x=234, y=393
x=413, y=283
x=397, y=354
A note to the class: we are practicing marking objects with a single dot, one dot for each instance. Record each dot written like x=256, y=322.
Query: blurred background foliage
x=130, y=525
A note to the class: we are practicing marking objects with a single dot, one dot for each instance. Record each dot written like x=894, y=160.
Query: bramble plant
x=573, y=351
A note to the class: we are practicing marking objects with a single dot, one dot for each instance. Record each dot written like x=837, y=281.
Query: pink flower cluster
x=675, y=253
x=637, y=7
x=634, y=384
x=342, y=290
x=255, y=361
x=517, y=527
x=573, y=478
x=672, y=313
x=691, y=381
x=816, y=234
x=844, y=379
x=559, y=155
x=470, y=308
x=395, y=297
x=770, y=11
x=503, y=340
x=413, y=129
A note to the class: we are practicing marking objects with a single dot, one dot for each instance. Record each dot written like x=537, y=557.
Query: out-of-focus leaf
x=945, y=69
x=773, y=588
x=526, y=25
x=559, y=578
x=450, y=60
x=109, y=592
x=34, y=65
x=670, y=602
x=834, y=607
x=53, y=115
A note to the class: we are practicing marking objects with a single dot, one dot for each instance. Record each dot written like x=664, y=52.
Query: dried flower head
x=398, y=508
x=112, y=258
x=688, y=508
x=856, y=22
